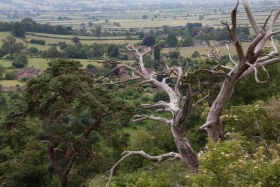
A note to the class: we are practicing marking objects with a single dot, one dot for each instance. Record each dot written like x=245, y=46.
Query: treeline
x=31, y=26
x=184, y=36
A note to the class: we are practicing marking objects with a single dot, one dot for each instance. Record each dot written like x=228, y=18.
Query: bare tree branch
x=202, y=99
x=108, y=74
x=142, y=117
x=256, y=75
x=251, y=17
x=179, y=116
x=126, y=154
x=230, y=56
x=160, y=104
x=247, y=64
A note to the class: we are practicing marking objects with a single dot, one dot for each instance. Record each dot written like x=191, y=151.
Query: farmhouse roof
x=27, y=72
x=92, y=70
x=179, y=38
x=123, y=74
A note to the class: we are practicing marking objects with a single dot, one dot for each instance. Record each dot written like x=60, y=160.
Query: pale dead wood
x=179, y=114
x=248, y=63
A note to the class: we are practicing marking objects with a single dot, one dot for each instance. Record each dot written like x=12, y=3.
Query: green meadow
x=11, y=83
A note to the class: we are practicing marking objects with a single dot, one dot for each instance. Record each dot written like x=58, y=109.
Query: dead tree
x=179, y=108
x=248, y=63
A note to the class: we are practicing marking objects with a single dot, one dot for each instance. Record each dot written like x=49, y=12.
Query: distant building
x=199, y=43
x=149, y=70
x=179, y=38
x=123, y=74
x=12, y=88
x=93, y=71
x=147, y=31
x=27, y=73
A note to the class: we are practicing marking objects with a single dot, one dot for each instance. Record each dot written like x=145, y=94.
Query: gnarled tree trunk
x=248, y=63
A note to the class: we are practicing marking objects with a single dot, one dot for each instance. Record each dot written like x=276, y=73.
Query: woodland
x=215, y=122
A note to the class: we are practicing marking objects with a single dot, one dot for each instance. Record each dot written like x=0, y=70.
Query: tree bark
x=249, y=63
x=188, y=155
x=63, y=180
x=179, y=116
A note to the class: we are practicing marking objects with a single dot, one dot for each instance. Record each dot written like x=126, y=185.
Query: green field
x=41, y=63
x=10, y=83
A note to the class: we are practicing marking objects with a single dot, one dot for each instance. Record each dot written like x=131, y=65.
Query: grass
x=6, y=62
x=135, y=129
x=11, y=83
x=40, y=63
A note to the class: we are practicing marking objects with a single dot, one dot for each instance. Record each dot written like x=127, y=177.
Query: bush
x=161, y=96
x=33, y=50
x=20, y=61
x=144, y=98
x=10, y=75
x=41, y=42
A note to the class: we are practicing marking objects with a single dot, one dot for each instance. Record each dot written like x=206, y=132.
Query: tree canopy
x=74, y=114
x=10, y=46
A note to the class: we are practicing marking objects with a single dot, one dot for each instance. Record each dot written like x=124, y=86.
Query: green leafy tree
x=66, y=94
x=18, y=30
x=2, y=52
x=113, y=50
x=256, y=120
x=20, y=61
x=62, y=45
x=2, y=70
x=161, y=96
x=28, y=24
x=171, y=40
x=195, y=54
x=96, y=50
x=144, y=17
x=238, y=162
x=148, y=41
x=52, y=53
x=187, y=41
x=141, y=35
x=90, y=24
x=255, y=91
x=90, y=66
x=149, y=63
x=60, y=29
x=75, y=39
x=33, y=50
x=174, y=54
x=174, y=62
x=10, y=75
x=165, y=28
x=97, y=31
x=20, y=143
x=3, y=101
x=10, y=46
x=200, y=17
x=71, y=51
